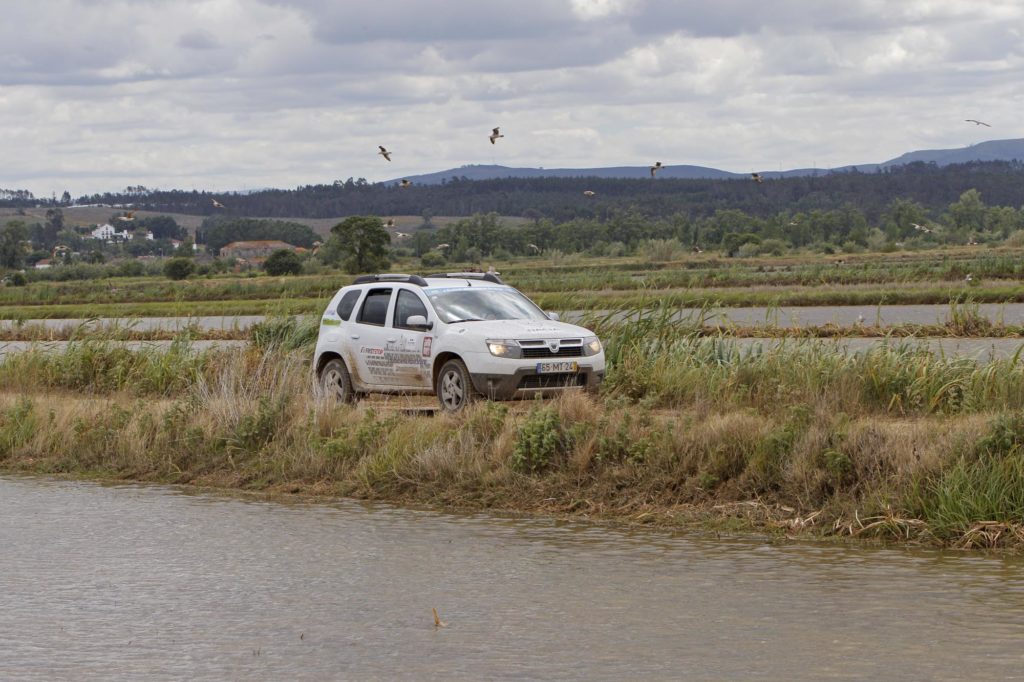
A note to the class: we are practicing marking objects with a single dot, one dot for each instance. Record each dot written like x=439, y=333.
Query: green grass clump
x=17, y=426
x=285, y=333
x=985, y=485
x=99, y=366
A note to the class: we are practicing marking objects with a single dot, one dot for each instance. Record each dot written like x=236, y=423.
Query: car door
x=371, y=337
x=412, y=358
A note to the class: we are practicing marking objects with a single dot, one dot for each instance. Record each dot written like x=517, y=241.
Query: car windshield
x=483, y=303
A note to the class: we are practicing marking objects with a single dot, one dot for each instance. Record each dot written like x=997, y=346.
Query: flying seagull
x=977, y=122
x=495, y=134
x=384, y=152
x=405, y=183
x=589, y=193
x=756, y=177
x=127, y=218
x=217, y=204
x=534, y=247
x=655, y=168
x=401, y=235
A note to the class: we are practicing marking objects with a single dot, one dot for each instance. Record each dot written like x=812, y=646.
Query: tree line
x=562, y=199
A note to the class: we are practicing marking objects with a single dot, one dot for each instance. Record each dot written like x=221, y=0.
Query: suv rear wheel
x=336, y=382
x=454, y=387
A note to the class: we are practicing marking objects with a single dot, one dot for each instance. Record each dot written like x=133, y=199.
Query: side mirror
x=418, y=322
x=552, y=315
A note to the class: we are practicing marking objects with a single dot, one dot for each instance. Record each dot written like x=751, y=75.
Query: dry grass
x=771, y=457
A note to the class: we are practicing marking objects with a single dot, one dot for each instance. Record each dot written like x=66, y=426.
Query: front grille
x=553, y=380
x=545, y=352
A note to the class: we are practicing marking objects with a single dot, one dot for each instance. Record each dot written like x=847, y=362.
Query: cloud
x=198, y=40
x=98, y=94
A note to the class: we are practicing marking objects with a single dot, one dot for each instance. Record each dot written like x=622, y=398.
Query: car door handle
x=355, y=336
x=392, y=340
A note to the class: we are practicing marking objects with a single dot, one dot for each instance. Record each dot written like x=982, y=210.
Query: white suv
x=456, y=335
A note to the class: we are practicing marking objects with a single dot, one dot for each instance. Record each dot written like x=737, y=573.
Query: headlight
x=591, y=345
x=504, y=348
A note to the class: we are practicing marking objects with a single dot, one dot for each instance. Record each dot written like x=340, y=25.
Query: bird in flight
x=401, y=235
x=443, y=246
x=756, y=177
x=384, y=152
x=217, y=204
x=390, y=222
x=589, y=192
x=495, y=134
x=534, y=247
x=127, y=218
x=655, y=168
x=922, y=228
x=977, y=122
x=697, y=249
x=405, y=183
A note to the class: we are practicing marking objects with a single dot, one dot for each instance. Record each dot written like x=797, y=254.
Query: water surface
x=151, y=583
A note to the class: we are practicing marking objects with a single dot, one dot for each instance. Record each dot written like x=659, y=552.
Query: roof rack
x=485, y=276
x=387, y=277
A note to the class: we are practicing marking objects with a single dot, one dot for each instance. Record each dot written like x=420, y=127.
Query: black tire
x=336, y=382
x=454, y=386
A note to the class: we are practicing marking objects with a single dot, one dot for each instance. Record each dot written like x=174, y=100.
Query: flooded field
x=152, y=583
x=788, y=317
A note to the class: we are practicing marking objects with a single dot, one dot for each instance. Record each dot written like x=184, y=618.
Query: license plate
x=557, y=367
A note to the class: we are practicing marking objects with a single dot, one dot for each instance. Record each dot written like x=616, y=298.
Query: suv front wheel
x=454, y=387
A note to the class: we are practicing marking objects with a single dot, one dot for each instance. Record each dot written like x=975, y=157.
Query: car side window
x=375, y=307
x=348, y=303
x=407, y=305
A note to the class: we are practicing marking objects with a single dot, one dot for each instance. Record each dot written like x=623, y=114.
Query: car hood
x=520, y=329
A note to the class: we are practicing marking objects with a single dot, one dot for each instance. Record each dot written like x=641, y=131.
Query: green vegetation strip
x=586, y=300
x=916, y=279
x=895, y=443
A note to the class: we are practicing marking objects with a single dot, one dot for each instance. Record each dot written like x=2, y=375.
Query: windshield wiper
x=468, y=319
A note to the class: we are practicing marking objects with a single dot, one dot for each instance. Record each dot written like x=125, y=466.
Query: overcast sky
x=236, y=94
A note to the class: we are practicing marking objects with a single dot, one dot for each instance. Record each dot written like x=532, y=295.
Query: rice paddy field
x=894, y=442
x=572, y=283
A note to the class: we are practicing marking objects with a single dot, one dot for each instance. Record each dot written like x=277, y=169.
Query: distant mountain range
x=993, y=150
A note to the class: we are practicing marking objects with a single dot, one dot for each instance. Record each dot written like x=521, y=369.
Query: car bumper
x=525, y=382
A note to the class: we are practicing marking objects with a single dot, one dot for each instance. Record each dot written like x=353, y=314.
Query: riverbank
x=893, y=444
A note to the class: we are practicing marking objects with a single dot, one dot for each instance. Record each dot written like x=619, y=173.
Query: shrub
x=179, y=268
x=18, y=279
x=432, y=259
x=283, y=262
x=539, y=440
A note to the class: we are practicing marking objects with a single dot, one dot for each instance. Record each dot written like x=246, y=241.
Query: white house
x=105, y=231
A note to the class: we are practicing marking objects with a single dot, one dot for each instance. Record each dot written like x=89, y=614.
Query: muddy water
x=151, y=583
